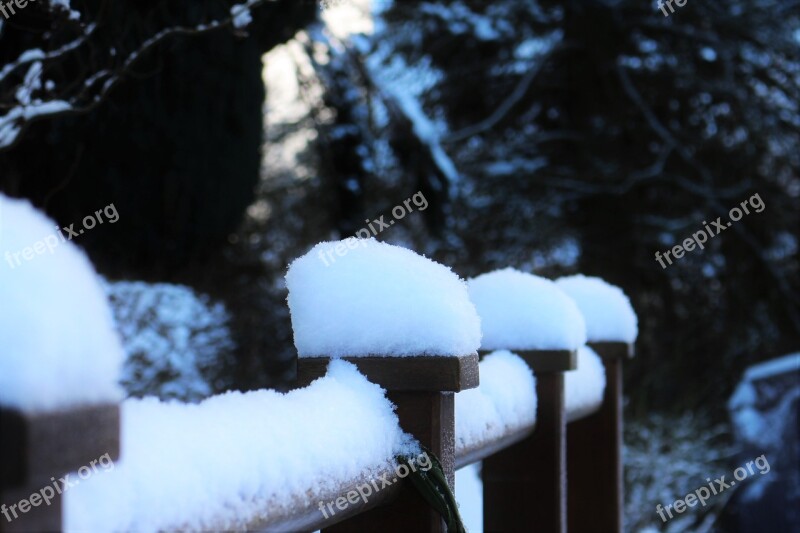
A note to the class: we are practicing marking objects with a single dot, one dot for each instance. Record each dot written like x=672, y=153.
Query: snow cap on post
x=608, y=312
x=361, y=297
x=58, y=345
x=521, y=311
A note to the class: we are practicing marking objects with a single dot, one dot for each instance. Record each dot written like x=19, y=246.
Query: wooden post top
x=410, y=373
x=612, y=349
x=36, y=447
x=541, y=361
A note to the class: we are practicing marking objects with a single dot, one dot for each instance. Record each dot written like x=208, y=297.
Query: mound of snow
x=608, y=312
x=521, y=311
x=584, y=387
x=378, y=299
x=504, y=401
x=58, y=346
x=221, y=463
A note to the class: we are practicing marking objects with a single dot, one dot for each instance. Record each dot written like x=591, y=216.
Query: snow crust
x=58, y=345
x=584, y=387
x=607, y=310
x=521, y=311
x=378, y=299
x=504, y=401
x=219, y=464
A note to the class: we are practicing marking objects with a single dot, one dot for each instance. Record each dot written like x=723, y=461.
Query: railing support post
x=594, y=453
x=423, y=390
x=524, y=486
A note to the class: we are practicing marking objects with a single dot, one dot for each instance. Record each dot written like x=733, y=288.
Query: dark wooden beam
x=524, y=486
x=414, y=373
x=594, y=453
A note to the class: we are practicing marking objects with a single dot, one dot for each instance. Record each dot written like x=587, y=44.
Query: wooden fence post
x=37, y=450
x=594, y=453
x=423, y=390
x=524, y=486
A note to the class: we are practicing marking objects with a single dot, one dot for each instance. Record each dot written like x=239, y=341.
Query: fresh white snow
x=58, y=346
x=608, y=312
x=504, y=401
x=584, y=387
x=521, y=311
x=219, y=464
x=469, y=496
x=378, y=299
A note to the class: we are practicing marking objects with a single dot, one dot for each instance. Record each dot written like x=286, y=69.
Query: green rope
x=432, y=485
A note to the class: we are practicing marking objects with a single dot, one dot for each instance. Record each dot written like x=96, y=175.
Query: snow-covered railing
x=409, y=331
x=594, y=443
x=524, y=486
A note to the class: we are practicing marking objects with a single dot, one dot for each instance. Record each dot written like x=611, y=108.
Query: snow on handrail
x=240, y=459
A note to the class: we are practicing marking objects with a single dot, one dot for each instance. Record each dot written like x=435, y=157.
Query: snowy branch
x=29, y=98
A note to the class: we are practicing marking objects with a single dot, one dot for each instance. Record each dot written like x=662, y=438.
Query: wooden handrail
x=524, y=469
x=306, y=516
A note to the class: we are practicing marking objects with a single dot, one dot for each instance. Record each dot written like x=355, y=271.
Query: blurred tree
x=571, y=123
x=159, y=111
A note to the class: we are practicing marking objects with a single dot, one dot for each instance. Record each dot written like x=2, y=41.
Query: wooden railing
x=552, y=477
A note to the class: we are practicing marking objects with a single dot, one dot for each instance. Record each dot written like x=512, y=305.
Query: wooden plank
x=548, y=360
x=524, y=486
x=622, y=350
x=415, y=373
x=430, y=417
x=594, y=454
x=36, y=447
